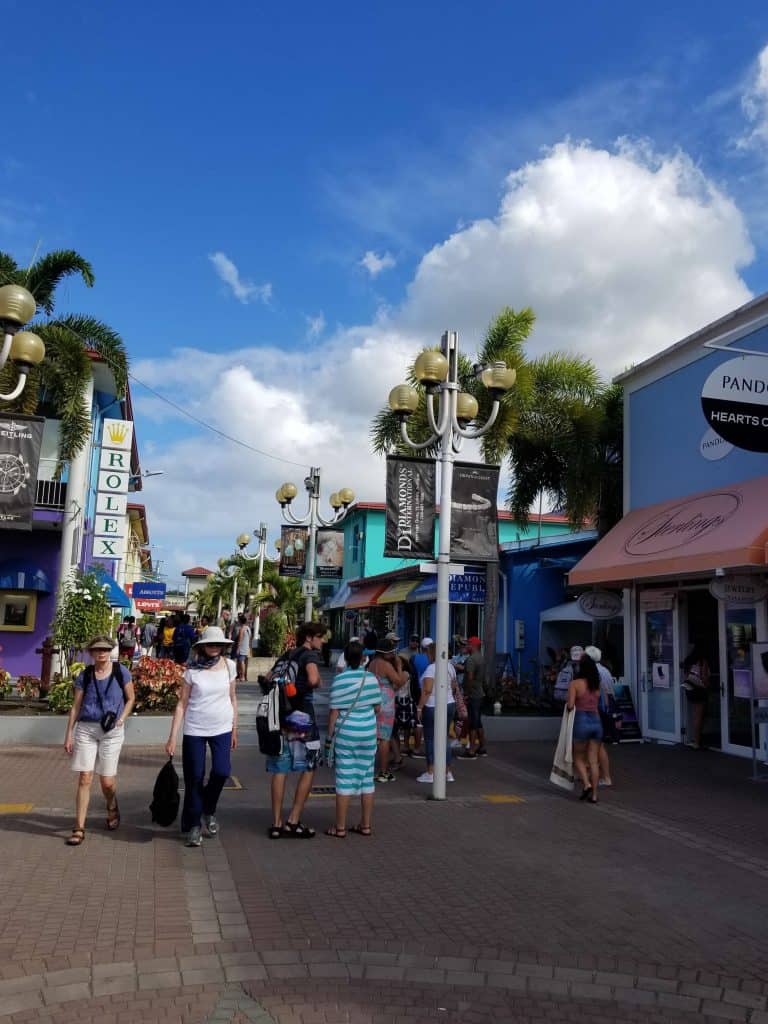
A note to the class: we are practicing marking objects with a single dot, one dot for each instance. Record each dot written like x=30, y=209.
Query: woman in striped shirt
x=354, y=701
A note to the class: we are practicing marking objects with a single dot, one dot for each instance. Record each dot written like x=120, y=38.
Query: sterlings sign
x=735, y=402
x=601, y=604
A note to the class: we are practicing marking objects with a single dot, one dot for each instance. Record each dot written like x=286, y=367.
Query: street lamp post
x=438, y=373
x=25, y=349
x=339, y=501
x=242, y=542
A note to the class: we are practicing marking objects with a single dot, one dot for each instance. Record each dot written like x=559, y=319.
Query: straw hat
x=212, y=635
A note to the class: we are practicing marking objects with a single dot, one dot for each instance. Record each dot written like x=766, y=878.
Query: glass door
x=699, y=621
x=740, y=628
x=661, y=707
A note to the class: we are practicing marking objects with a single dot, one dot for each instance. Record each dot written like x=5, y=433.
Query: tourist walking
x=426, y=714
x=606, y=709
x=128, y=637
x=148, y=637
x=242, y=646
x=474, y=693
x=392, y=678
x=103, y=699
x=583, y=699
x=208, y=708
x=165, y=633
x=354, y=702
x=184, y=636
x=696, y=677
x=301, y=745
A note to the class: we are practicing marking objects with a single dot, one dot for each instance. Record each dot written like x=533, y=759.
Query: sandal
x=336, y=833
x=586, y=793
x=113, y=817
x=297, y=830
x=77, y=837
x=275, y=831
x=362, y=830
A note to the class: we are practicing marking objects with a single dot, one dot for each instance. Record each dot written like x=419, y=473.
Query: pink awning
x=726, y=528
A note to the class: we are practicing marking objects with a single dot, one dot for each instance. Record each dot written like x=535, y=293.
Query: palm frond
x=99, y=337
x=44, y=276
x=9, y=269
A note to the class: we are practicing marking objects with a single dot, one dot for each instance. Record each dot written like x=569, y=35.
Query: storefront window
x=659, y=672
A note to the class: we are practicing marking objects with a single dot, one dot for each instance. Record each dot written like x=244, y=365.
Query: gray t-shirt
x=474, y=676
x=244, y=641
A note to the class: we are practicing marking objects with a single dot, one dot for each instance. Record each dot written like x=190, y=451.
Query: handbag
x=329, y=747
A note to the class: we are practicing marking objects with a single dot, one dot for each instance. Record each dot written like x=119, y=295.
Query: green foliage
x=274, y=630
x=157, y=684
x=83, y=612
x=28, y=687
x=61, y=696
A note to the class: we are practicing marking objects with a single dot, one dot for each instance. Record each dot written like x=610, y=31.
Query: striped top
x=345, y=687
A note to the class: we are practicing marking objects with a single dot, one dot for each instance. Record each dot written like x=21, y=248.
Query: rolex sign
x=111, y=521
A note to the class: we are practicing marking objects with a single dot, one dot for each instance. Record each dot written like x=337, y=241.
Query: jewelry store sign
x=111, y=523
x=738, y=589
x=735, y=402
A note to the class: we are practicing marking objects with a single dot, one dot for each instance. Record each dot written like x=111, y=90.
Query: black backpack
x=165, y=795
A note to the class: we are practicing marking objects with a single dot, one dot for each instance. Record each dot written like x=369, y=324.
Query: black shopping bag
x=165, y=795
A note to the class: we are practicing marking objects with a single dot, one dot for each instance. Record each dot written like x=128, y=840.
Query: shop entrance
x=699, y=621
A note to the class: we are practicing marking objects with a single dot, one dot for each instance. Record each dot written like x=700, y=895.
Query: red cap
x=474, y=641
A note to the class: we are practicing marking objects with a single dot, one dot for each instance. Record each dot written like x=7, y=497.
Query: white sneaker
x=449, y=777
x=425, y=777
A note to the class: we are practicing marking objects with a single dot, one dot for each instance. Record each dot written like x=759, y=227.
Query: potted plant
x=28, y=687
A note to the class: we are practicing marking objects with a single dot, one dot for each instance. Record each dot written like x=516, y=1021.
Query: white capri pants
x=96, y=750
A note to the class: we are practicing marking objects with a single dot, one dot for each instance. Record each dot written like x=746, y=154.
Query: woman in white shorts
x=103, y=700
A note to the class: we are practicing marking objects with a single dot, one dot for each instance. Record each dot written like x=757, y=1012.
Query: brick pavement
x=650, y=907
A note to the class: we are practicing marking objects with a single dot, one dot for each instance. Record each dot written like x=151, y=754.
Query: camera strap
x=91, y=676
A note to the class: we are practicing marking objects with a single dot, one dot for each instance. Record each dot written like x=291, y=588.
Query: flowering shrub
x=157, y=682
x=6, y=686
x=83, y=613
x=28, y=687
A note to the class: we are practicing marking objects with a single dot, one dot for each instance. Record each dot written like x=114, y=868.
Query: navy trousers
x=201, y=797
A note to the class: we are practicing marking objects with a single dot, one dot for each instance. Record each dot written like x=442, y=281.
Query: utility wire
x=215, y=430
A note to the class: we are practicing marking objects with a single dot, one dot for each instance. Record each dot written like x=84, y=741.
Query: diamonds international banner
x=293, y=550
x=20, y=441
x=410, y=522
x=474, y=522
x=329, y=561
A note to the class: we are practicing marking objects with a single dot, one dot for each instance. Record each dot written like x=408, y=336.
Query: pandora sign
x=735, y=402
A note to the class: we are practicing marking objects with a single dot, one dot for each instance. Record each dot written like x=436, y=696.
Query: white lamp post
x=242, y=542
x=17, y=307
x=438, y=373
x=339, y=501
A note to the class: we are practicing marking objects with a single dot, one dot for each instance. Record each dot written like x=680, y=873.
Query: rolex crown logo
x=117, y=432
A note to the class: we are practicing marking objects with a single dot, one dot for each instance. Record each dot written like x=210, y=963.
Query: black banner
x=329, y=561
x=410, y=525
x=474, y=524
x=20, y=441
x=293, y=550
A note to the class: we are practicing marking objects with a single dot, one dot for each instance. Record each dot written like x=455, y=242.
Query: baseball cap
x=594, y=653
x=414, y=636
x=474, y=641
x=427, y=641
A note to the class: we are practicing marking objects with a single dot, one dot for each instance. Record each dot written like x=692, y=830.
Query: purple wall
x=40, y=548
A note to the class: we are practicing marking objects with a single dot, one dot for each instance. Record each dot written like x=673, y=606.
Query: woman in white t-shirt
x=208, y=706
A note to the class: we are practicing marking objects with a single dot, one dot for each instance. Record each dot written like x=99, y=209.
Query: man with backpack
x=128, y=637
x=300, y=745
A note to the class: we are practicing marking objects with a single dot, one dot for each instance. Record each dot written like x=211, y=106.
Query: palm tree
x=57, y=387
x=282, y=593
x=548, y=390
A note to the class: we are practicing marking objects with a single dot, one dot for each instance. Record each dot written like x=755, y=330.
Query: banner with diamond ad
x=20, y=441
x=410, y=520
x=474, y=522
x=293, y=550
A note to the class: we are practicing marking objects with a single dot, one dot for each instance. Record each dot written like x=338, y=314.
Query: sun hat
x=385, y=646
x=594, y=653
x=100, y=643
x=474, y=641
x=212, y=635
x=427, y=642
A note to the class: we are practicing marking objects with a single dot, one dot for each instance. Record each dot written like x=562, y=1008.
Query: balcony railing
x=51, y=494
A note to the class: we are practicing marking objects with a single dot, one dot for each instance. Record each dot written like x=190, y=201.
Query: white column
x=77, y=499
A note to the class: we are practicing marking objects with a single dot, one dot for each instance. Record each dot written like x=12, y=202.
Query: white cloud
x=620, y=253
x=244, y=291
x=315, y=326
x=374, y=264
x=754, y=103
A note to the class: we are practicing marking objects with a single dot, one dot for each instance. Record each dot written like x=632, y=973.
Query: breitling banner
x=20, y=440
x=474, y=524
x=410, y=524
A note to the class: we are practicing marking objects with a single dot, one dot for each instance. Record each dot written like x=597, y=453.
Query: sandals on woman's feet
x=297, y=830
x=275, y=831
x=77, y=837
x=336, y=833
x=113, y=816
x=362, y=830
x=586, y=793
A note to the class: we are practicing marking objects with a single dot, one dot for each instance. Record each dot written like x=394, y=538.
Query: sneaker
x=384, y=777
x=194, y=837
x=210, y=825
x=481, y=752
x=425, y=777
x=468, y=755
x=449, y=777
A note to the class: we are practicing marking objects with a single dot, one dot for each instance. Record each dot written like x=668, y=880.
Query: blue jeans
x=202, y=797
x=428, y=722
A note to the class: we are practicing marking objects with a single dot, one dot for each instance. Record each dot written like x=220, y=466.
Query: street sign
x=309, y=588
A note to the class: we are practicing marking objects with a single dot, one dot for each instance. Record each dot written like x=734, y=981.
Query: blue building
x=689, y=555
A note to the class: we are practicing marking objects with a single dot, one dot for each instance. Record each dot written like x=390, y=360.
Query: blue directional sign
x=149, y=591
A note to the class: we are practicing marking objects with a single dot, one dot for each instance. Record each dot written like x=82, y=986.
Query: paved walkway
x=509, y=902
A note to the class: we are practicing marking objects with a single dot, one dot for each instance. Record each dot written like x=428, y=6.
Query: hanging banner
x=20, y=440
x=293, y=550
x=410, y=520
x=474, y=522
x=329, y=561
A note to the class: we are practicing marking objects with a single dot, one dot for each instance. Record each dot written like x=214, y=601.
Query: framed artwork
x=17, y=611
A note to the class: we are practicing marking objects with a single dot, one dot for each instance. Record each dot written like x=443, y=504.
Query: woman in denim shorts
x=583, y=701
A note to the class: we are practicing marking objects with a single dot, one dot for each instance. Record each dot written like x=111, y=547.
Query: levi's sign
x=735, y=402
x=681, y=524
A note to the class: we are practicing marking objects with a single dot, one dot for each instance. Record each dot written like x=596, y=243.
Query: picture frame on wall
x=17, y=612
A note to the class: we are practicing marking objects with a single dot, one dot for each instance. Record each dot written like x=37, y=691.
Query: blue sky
x=292, y=139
